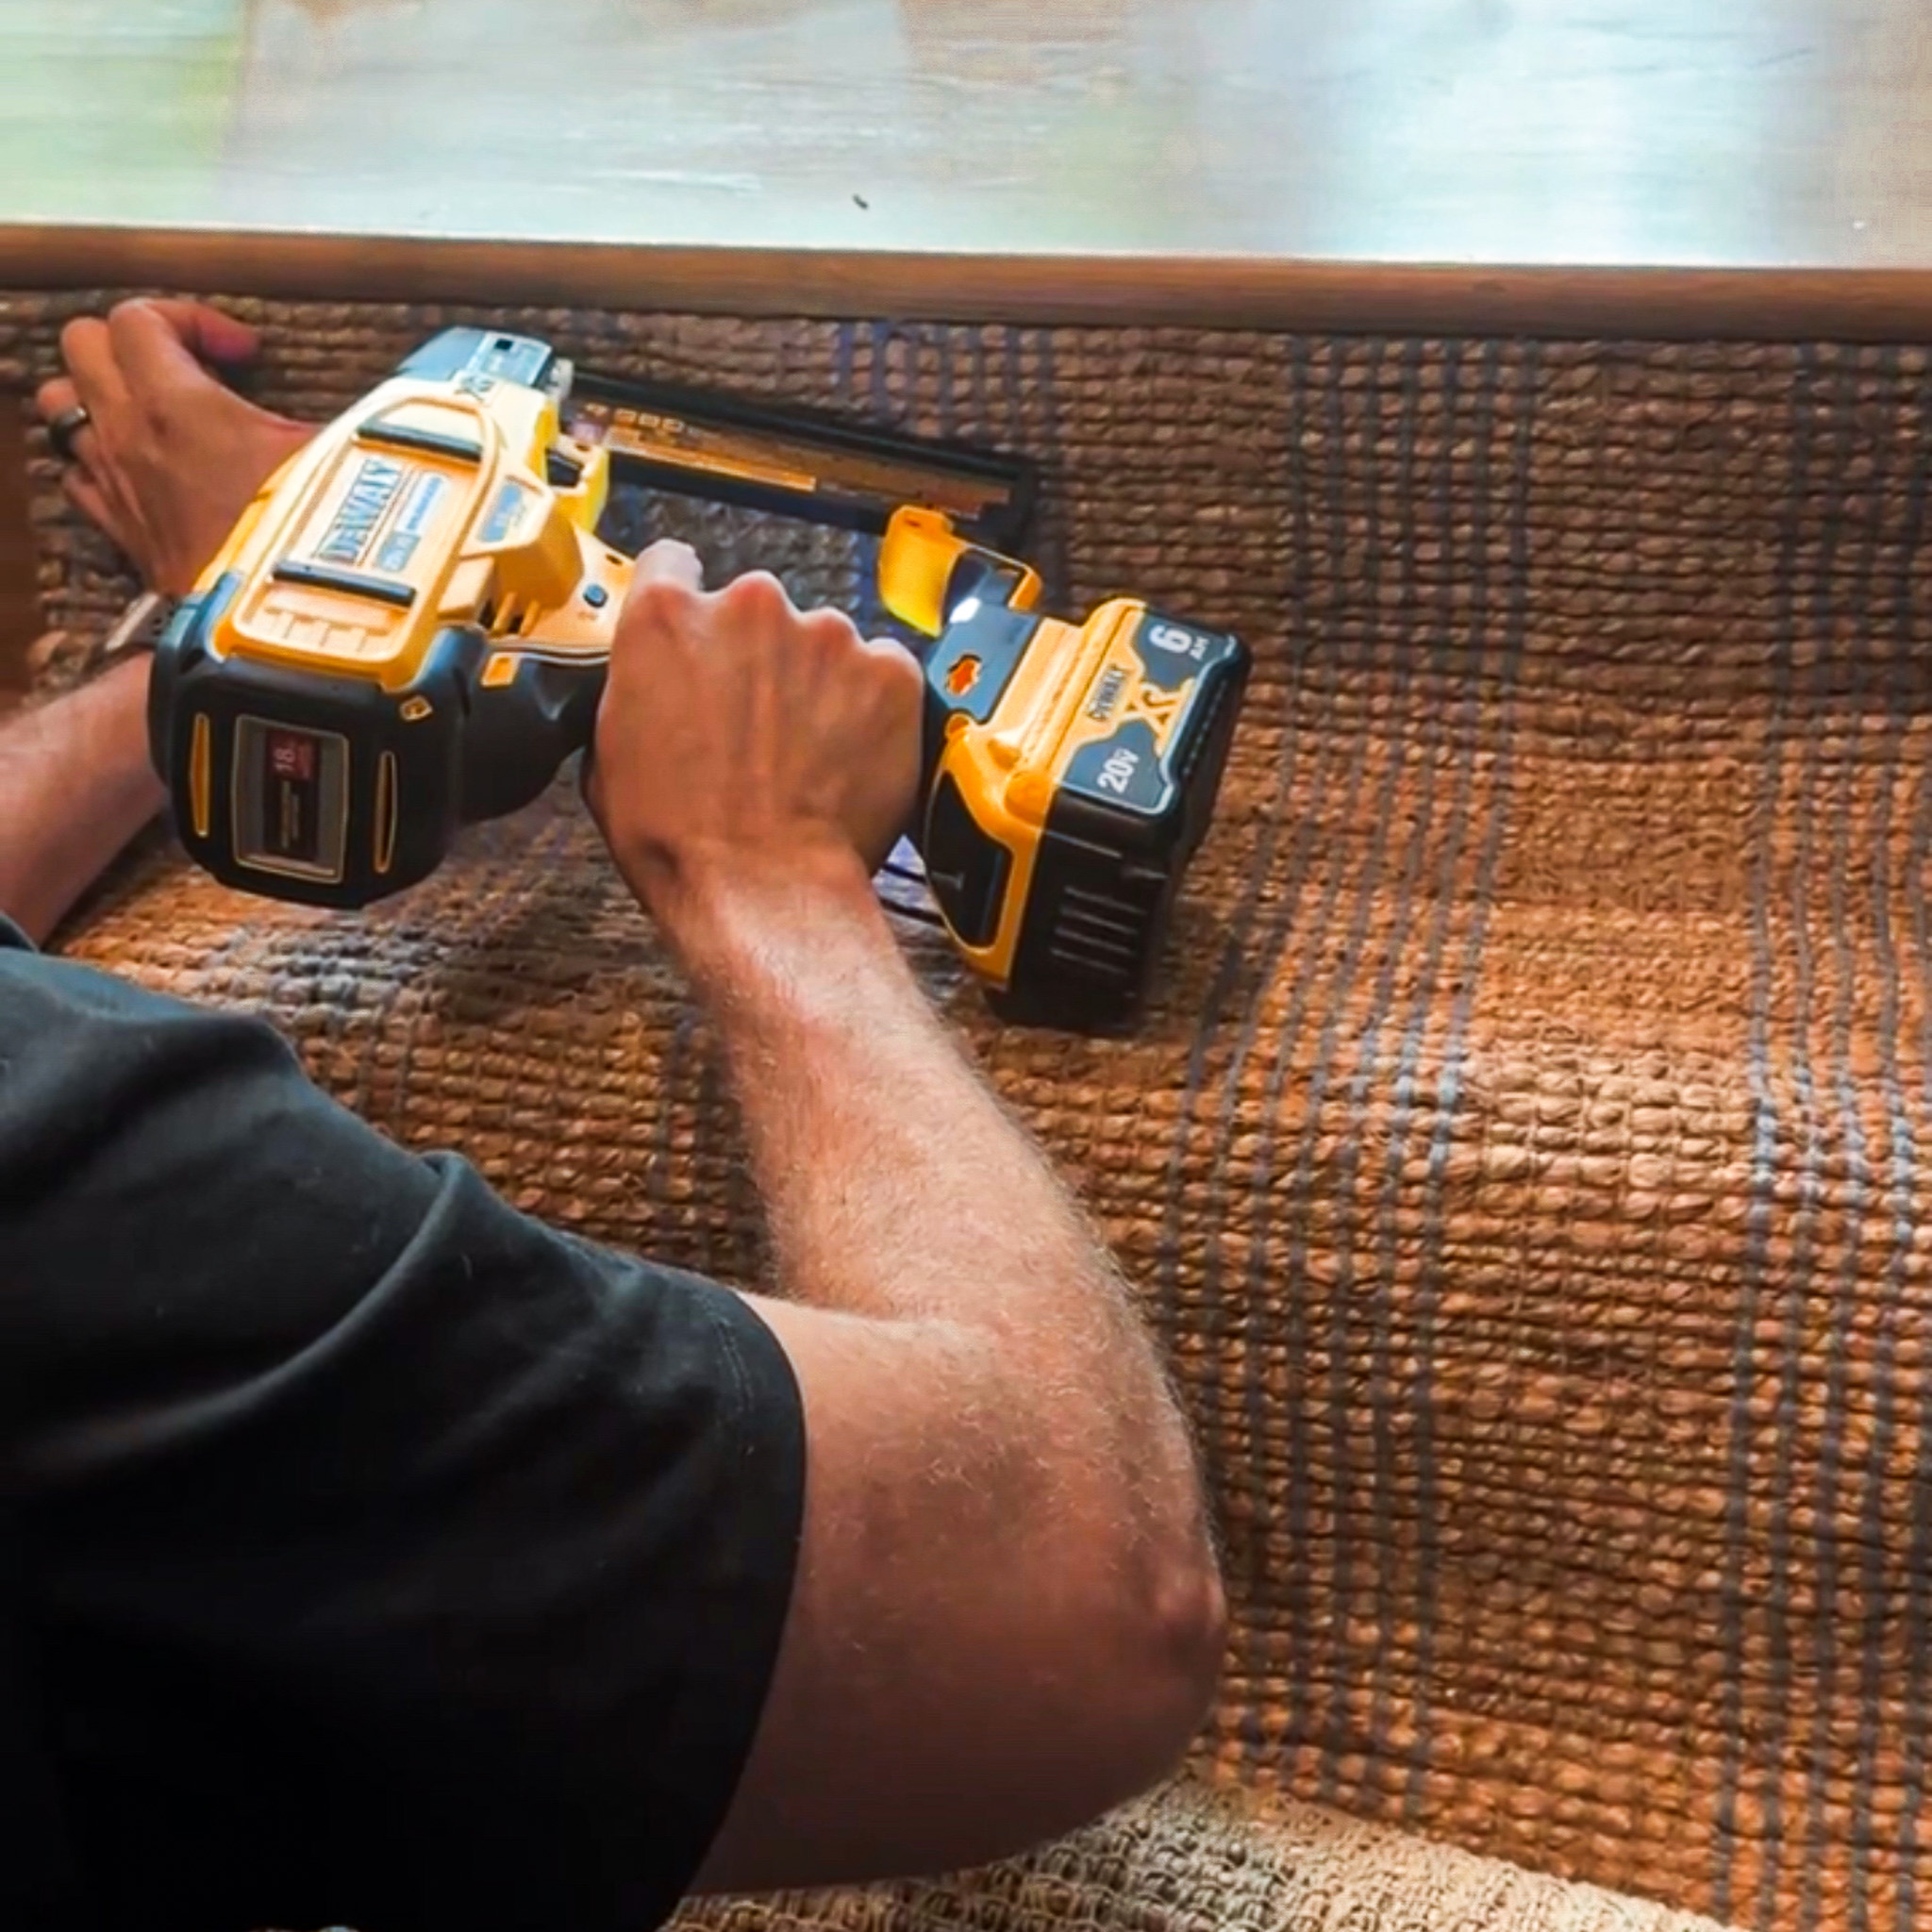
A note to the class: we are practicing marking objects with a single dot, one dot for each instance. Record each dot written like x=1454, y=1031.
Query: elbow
x=1154, y=1642
x=1194, y=1621
x=1179, y=1646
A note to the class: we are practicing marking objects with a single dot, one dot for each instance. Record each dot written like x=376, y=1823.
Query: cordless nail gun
x=408, y=632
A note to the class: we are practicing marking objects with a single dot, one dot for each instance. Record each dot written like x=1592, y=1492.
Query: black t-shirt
x=385, y=1559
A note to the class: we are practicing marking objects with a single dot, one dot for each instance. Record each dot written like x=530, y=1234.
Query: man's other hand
x=170, y=456
x=736, y=732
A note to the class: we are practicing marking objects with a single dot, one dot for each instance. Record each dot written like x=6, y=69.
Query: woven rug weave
x=1527, y=1166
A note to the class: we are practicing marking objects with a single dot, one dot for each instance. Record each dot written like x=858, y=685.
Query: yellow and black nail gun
x=408, y=632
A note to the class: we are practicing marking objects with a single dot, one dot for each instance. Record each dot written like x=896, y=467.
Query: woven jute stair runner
x=1524, y=1166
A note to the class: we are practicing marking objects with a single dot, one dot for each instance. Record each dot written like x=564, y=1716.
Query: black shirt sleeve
x=393, y=1562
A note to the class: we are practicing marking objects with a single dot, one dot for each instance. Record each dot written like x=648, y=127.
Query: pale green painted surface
x=115, y=112
x=1733, y=133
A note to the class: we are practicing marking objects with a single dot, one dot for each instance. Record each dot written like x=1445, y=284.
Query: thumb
x=667, y=562
x=665, y=583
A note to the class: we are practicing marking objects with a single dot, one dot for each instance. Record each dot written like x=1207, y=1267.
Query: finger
x=668, y=562
x=207, y=332
x=155, y=362
x=105, y=498
x=99, y=508
x=53, y=398
x=88, y=350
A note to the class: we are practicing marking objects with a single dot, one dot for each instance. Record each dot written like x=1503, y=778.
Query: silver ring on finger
x=63, y=429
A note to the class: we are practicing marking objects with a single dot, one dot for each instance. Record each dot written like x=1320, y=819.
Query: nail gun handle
x=529, y=713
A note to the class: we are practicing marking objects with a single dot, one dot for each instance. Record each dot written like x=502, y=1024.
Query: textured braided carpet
x=1527, y=1166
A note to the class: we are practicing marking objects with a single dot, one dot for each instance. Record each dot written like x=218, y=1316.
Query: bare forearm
x=898, y=1185
x=76, y=785
x=1005, y=1614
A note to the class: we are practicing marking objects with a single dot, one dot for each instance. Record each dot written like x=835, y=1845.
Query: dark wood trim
x=19, y=595
x=1850, y=304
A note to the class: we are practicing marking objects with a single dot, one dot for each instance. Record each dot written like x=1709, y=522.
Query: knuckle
x=657, y=602
x=829, y=632
x=757, y=595
x=900, y=675
x=899, y=663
